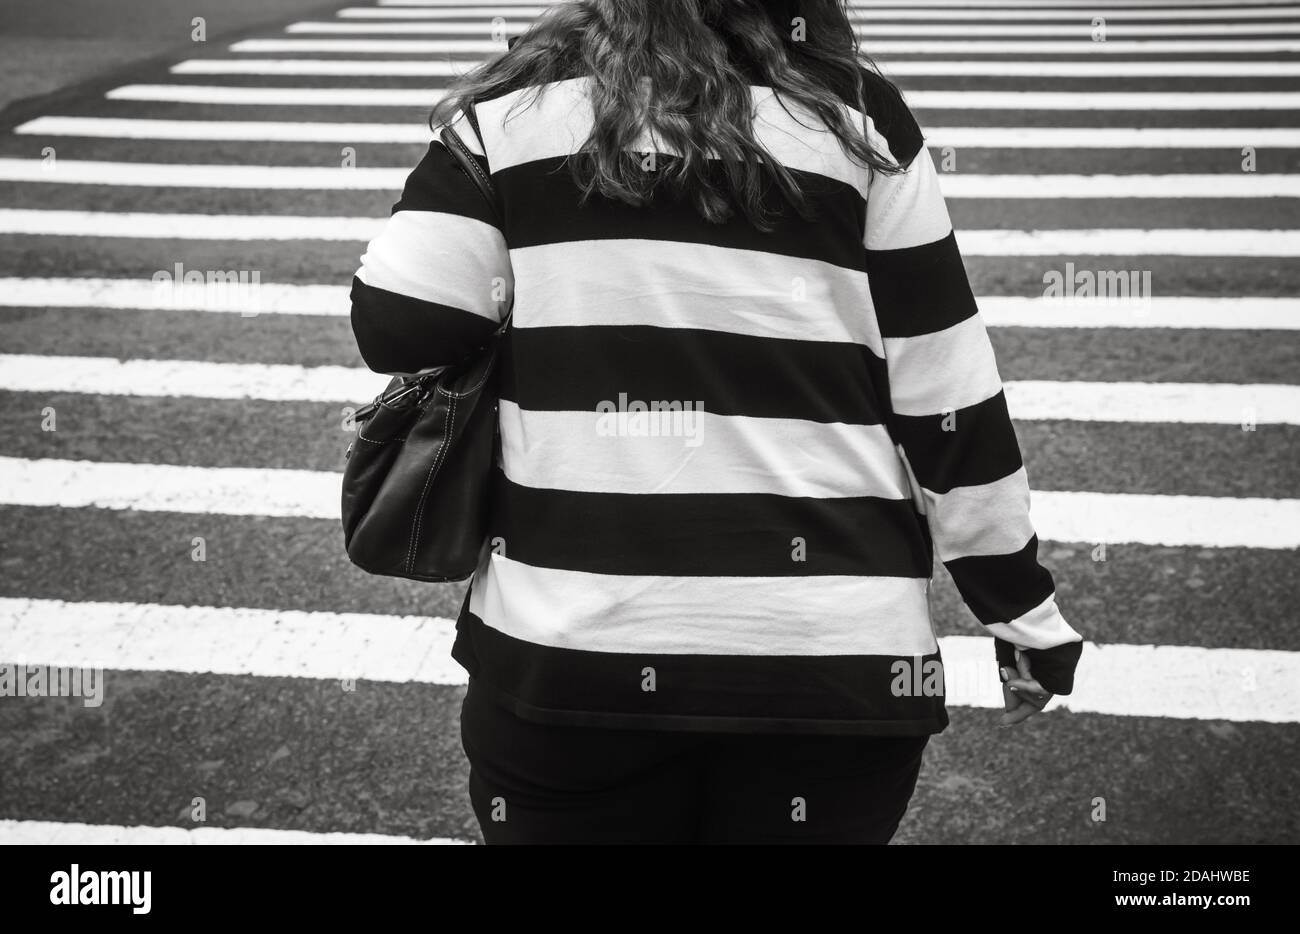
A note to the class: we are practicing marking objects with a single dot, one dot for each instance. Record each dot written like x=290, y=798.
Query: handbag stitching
x=433, y=469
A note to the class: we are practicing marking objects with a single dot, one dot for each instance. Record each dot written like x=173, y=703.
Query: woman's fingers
x=1022, y=665
x=1022, y=697
x=1019, y=715
x=1031, y=690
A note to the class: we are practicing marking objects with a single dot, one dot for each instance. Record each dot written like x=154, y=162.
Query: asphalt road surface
x=169, y=463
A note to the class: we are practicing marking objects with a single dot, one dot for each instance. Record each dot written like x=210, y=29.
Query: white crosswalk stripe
x=28, y=833
x=266, y=298
x=1028, y=400
x=1056, y=130
x=1171, y=681
x=1181, y=521
x=324, y=178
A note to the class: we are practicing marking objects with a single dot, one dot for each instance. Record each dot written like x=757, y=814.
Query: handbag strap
x=469, y=165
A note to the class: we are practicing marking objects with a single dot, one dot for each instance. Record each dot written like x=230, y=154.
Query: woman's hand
x=1022, y=695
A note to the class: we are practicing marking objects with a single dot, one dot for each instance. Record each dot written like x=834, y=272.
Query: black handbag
x=415, y=487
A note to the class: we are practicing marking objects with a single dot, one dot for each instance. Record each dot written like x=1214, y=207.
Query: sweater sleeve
x=436, y=282
x=949, y=417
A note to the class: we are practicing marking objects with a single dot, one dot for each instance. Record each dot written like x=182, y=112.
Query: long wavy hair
x=674, y=68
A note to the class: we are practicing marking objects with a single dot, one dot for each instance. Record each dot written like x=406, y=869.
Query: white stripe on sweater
x=989, y=519
x=943, y=371
x=444, y=258
x=676, y=284
x=626, y=614
x=714, y=454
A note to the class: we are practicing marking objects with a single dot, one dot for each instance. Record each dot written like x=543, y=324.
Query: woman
x=746, y=397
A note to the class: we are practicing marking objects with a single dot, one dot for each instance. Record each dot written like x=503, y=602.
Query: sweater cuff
x=1052, y=668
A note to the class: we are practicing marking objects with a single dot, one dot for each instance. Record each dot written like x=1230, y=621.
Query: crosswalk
x=170, y=477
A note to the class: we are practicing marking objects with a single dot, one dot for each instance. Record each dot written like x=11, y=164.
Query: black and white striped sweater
x=728, y=457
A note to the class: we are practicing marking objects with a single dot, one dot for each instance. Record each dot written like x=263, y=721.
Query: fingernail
x=1014, y=690
x=1004, y=674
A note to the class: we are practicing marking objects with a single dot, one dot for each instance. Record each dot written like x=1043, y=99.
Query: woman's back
x=728, y=455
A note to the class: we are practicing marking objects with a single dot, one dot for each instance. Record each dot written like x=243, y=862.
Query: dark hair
x=678, y=68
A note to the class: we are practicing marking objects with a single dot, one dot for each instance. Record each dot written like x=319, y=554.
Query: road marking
x=260, y=130
x=1165, y=403
x=1075, y=101
x=325, y=97
x=1028, y=400
x=444, y=69
x=337, y=178
x=1187, y=185
x=229, y=641
x=874, y=15
x=1138, y=5
x=1174, y=681
x=1081, y=28
x=1129, y=241
x=1226, y=312
x=927, y=100
x=200, y=379
x=38, y=832
x=140, y=294
x=221, y=175
x=305, y=66
x=1094, y=69
x=387, y=46
x=1122, y=241
x=188, y=226
x=1116, y=518
x=937, y=136
x=1035, y=137
x=883, y=47
x=1183, y=682
x=1192, y=312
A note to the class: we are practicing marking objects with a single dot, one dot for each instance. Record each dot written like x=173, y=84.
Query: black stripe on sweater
x=399, y=334
x=542, y=206
x=835, y=694
x=980, y=447
x=438, y=183
x=731, y=374
x=709, y=534
x=1000, y=588
x=920, y=289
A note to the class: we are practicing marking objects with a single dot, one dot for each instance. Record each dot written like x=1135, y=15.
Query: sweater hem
x=707, y=723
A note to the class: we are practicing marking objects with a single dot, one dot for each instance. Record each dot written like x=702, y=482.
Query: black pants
x=537, y=783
